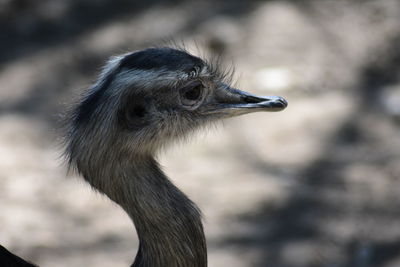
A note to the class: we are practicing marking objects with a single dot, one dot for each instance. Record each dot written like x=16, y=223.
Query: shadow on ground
x=338, y=191
x=337, y=205
x=31, y=29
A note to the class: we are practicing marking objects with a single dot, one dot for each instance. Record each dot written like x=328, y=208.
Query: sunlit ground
x=314, y=185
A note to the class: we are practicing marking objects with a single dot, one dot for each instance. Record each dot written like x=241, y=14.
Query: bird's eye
x=192, y=94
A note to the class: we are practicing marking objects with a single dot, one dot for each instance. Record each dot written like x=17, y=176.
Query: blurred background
x=315, y=185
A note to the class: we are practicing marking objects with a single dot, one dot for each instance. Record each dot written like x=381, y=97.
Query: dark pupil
x=193, y=93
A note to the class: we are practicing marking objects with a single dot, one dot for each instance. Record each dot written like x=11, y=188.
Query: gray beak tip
x=275, y=103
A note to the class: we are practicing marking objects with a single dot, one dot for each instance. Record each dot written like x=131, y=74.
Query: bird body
x=7, y=259
x=143, y=101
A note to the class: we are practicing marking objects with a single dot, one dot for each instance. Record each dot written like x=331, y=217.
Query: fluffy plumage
x=141, y=102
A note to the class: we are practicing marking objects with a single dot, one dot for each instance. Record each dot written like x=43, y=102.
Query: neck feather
x=168, y=223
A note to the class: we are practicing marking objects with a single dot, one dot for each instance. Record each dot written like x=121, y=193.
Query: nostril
x=252, y=99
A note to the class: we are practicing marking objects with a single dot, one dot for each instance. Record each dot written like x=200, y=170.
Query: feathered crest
x=216, y=63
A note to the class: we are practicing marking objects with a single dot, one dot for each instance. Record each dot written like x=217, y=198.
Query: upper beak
x=233, y=102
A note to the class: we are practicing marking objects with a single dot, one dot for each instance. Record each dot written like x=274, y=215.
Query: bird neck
x=168, y=223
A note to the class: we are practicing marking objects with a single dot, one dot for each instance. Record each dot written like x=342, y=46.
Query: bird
x=142, y=102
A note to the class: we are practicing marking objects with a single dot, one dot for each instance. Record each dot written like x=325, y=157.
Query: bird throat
x=167, y=222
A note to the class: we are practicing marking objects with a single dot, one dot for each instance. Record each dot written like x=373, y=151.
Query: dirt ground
x=315, y=185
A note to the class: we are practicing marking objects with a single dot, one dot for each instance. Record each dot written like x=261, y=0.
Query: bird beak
x=231, y=102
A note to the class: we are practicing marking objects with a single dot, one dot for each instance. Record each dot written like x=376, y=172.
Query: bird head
x=145, y=99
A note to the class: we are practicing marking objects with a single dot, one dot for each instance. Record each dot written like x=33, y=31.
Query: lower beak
x=233, y=102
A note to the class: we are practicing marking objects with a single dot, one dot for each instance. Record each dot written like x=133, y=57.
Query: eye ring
x=192, y=94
